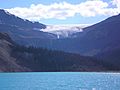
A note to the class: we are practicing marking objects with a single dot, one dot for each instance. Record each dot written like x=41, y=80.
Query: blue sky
x=27, y=3
x=62, y=11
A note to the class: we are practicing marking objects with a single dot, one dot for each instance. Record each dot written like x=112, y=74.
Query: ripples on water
x=59, y=81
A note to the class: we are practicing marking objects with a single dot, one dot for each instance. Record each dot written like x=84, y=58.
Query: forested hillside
x=14, y=58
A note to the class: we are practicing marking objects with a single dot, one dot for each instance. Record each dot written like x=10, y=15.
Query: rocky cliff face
x=8, y=63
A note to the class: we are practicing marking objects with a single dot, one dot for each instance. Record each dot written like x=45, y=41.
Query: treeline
x=110, y=59
x=39, y=59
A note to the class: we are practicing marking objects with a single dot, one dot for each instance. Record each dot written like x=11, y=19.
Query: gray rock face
x=7, y=62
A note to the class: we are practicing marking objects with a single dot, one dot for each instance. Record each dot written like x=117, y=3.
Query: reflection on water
x=59, y=81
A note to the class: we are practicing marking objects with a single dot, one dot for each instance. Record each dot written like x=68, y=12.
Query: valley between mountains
x=25, y=46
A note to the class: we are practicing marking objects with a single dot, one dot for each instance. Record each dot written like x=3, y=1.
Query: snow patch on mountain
x=64, y=30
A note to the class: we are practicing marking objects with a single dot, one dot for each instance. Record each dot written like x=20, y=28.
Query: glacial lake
x=60, y=81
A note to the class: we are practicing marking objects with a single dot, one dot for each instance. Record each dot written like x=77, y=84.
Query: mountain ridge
x=94, y=40
x=10, y=19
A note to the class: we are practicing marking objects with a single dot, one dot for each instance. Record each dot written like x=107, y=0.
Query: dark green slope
x=19, y=58
x=110, y=58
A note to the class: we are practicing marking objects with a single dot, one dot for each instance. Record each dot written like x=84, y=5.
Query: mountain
x=16, y=58
x=7, y=62
x=101, y=37
x=29, y=36
x=23, y=31
x=10, y=19
x=94, y=39
x=26, y=36
x=29, y=54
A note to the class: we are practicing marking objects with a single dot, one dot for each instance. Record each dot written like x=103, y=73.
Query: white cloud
x=63, y=10
x=116, y=3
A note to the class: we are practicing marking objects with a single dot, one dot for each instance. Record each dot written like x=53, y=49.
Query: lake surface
x=60, y=81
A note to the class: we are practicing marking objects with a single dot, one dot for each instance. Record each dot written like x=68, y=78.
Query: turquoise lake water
x=60, y=81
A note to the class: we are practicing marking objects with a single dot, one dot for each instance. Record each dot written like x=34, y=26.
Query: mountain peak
x=10, y=19
x=1, y=10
